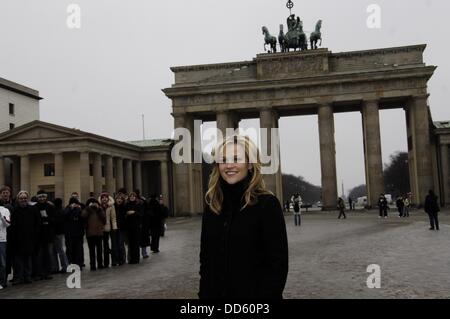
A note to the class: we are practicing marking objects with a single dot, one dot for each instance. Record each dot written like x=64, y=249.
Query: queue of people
x=39, y=238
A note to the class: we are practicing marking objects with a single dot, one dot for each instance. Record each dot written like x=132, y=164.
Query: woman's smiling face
x=234, y=167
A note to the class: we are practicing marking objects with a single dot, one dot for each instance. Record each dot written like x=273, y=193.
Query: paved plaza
x=328, y=259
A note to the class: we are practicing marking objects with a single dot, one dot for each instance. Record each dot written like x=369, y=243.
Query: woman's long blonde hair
x=256, y=186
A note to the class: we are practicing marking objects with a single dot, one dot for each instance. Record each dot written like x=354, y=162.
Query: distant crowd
x=39, y=237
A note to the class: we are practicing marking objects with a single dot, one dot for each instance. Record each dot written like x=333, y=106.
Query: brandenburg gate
x=313, y=82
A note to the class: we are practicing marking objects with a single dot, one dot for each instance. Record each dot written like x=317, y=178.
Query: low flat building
x=60, y=160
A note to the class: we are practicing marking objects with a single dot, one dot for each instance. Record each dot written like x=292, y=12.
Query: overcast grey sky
x=102, y=77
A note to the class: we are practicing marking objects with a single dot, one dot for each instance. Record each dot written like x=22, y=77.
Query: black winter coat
x=48, y=214
x=134, y=221
x=431, y=204
x=121, y=216
x=156, y=217
x=243, y=254
x=74, y=223
x=27, y=224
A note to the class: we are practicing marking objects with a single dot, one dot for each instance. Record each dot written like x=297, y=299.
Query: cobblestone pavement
x=328, y=259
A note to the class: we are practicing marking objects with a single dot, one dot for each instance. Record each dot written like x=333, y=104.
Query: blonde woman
x=244, y=249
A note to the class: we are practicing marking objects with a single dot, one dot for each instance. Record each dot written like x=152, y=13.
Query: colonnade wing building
x=60, y=160
x=315, y=82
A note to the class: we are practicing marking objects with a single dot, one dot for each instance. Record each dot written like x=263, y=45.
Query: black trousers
x=74, y=250
x=434, y=222
x=297, y=219
x=44, y=259
x=341, y=213
x=133, y=246
x=23, y=266
x=106, y=249
x=383, y=212
x=95, y=251
x=154, y=245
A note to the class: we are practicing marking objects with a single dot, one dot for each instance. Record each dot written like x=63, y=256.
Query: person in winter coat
x=432, y=209
x=341, y=207
x=134, y=213
x=6, y=202
x=44, y=256
x=164, y=214
x=244, y=248
x=107, y=204
x=121, y=237
x=26, y=221
x=297, y=208
x=59, y=256
x=400, y=206
x=5, y=222
x=95, y=226
x=156, y=219
x=74, y=228
x=145, y=228
x=382, y=206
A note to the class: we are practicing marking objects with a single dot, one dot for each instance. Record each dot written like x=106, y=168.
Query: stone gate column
x=226, y=120
x=444, y=173
x=182, y=174
x=421, y=174
x=372, y=151
x=269, y=120
x=327, y=156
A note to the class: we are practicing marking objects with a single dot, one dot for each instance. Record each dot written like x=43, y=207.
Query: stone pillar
x=128, y=175
x=119, y=173
x=85, y=179
x=444, y=174
x=226, y=120
x=109, y=175
x=165, y=182
x=327, y=157
x=421, y=174
x=59, y=176
x=182, y=175
x=97, y=172
x=269, y=120
x=25, y=173
x=2, y=171
x=16, y=176
x=372, y=152
x=137, y=176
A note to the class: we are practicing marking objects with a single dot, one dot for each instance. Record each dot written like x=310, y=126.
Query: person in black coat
x=47, y=236
x=432, y=209
x=156, y=220
x=74, y=226
x=26, y=221
x=59, y=255
x=382, y=206
x=244, y=248
x=133, y=215
x=145, y=229
x=119, y=205
x=7, y=202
